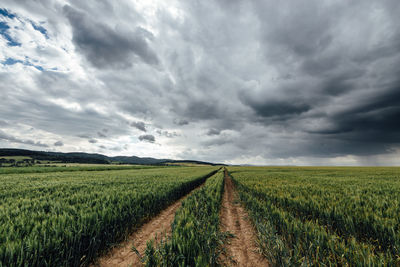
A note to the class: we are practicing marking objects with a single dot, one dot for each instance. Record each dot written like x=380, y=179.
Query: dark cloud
x=148, y=138
x=139, y=125
x=101, y=134
x=12, y=139
x=58, y=143
x=201, y=109
x=107, y=47
x=342, y=93
x=213, y=132
x=92, y=141
x=168, y=134
x=181, y=122
x=282, y=108
x=372, y=120
x=217, y=142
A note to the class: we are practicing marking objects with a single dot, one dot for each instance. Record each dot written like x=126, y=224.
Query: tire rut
x=242, y=249
x=124, y=256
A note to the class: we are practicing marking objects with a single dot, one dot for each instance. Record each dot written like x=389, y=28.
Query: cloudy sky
x=255, y=82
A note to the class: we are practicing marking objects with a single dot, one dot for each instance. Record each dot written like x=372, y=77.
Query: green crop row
x=324, y=216
x=195, y=239
x=68, y=219
x=83, y=167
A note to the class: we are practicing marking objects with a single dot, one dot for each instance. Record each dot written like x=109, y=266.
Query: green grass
x=72, y=168
x=69, y=218
x=17, y=158
x=324, y=216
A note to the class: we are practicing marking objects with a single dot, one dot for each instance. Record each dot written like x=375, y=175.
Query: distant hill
x=137, y=160
x=81, y=157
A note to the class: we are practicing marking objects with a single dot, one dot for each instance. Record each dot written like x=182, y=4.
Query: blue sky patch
x=12, y=61
x=38, y=67
x=40, y=29
x=5, y=13
x=4, y=32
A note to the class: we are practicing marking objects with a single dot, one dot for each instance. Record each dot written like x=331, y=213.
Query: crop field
x=71, y=167
x=324, y=216
x=293, y=216
x=67, y=218
x=195, y=239
x=15, y=157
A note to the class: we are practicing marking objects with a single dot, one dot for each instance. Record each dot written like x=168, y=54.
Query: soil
x=242, y=249
x=124, y=256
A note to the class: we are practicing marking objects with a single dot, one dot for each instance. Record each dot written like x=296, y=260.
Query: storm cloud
x=106, y=47
x=148, y=138
x=58, y=143
x=139, y=125
x=259, y=82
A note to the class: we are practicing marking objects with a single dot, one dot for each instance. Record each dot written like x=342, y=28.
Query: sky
x=306, y=82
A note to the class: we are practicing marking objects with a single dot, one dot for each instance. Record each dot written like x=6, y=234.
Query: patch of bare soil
x=241, y=250
x=124, y=256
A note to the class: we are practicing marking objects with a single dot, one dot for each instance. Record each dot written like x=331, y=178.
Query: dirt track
x=242, y=249
x=124, y=256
